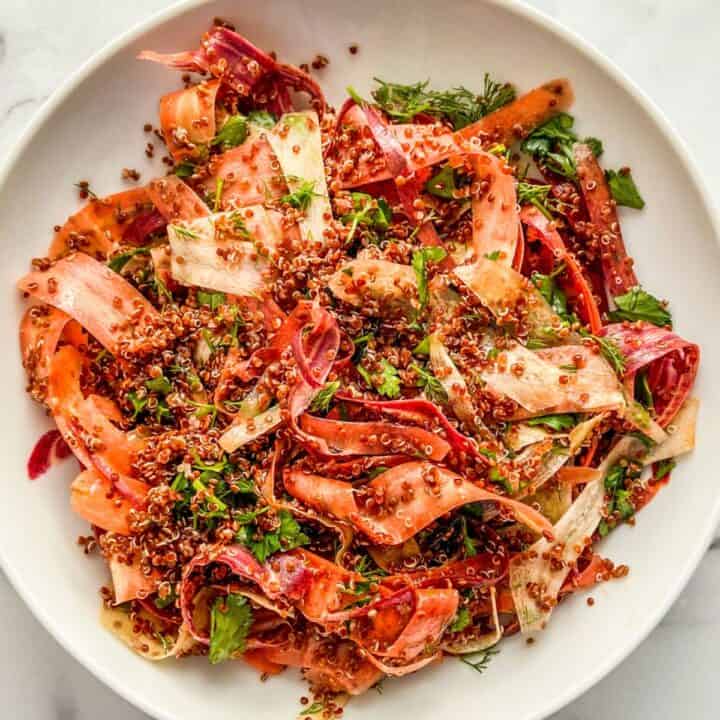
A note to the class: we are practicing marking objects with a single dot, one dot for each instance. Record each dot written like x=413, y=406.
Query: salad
x=353, y=389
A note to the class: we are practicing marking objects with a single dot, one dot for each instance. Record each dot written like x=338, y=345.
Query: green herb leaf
x=233, y=132
x=262, y=118
x=423, y=347
x=390, y=380
x=595, y=145
x=230, y=621
x=479, y=661
x=213, y=299
x=623, y=188
x=610, y=351
x=184, y=169
x=442, y=184
x=461, y=621
x=138, y=404
x=321, y=402
x=468, y=542
x=664, y=468
x=552, y=293
x=459, y=106
x=536, y=195
x=118, y=262
x=494, y=255
x=550, y=145
x=643, y=393
x=555, y=422
x=640, y=305
x=302, y=197
x=420, y=259
x=369, y=213
x=430, y=385
x=159, y=385
x=287, y=537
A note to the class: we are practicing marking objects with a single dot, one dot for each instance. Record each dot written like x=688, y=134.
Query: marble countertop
x=671, y=50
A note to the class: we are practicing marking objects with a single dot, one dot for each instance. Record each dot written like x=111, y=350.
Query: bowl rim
x=544, y=22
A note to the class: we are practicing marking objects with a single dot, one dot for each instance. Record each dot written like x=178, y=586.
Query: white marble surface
x=672, y=50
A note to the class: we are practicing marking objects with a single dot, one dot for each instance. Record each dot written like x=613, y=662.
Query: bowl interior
x=95, y=129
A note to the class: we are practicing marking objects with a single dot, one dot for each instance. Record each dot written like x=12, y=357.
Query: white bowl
x=92, y=128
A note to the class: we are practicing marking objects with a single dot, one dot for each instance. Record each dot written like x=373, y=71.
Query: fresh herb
x=664, y=468
x=184, y=169
x=301, y=198
x=138, y=403
x=238, y=225
x=550, y=145
x=623, y=188
x=167, y=601
x=494, y=255
x=459, y=106
x=479, y=661
x=554, y=422
x=204, y=409
x=390, y=380
x=420, y=259
x=549, y=289
x=321, y=402
x=430, y=385
x=162, y=290
x=442, y=184
x=162, y=412
x=610, y=351
x=219, y=184
x=640, y=305
x=461, y=621
x=595, y=145
x=287, y=537
x=368, y=212
x=619, y=499
x=213, y=299
x=230, y=621
x=262, y=118
x=643, y=393
x=499, y=479
x=365, y=375
x=184, y=233
x=423, y=347
x=118, y=262
x=314, y=709
x=379, y=470
x=468, y=542
x=233, y=133
x=536, y=195
x=159, y=385
x=361, y=344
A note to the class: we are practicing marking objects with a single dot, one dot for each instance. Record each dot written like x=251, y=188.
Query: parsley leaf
x=550, y=290
x=420, y=260
x=321, y=402
x=536, y=195
x=554, y=422
x=550, y=145
x=595, y=145
x=262, y=118
x=302, y=197
x=390, y=384
x=213, y=299
x=159, y=385
x=430, y=385
x=664, y=468
x=233, y=133
x=118, y=262
x=623, y=188
x=137, y=403
x=230, y=621
x=423, y=347
x=640, y=305
x=184, y=169
x=442, y=184
x=287, y=537
x=468, y=542
x=610, y=351
x=368, y=212
x=461, y=621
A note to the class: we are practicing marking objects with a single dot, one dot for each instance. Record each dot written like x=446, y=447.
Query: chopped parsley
x=368, y=213
x=423, y=347
x=233, y=133
x=230, y=620
x=554, y=296
x=461, y=621
x=623, y=188
x=430, y=385
x=420, y=260
x=262, y=118
x=640, y=305
x=159, y=385
x=302, y=197
x=390, y=380
x=288, y=536
x=184, y=169
x=213, y=299
x=468, y=542
x=138, y=404
x=442, y=184
x=558, y=422
x=664, y=468
x=321, y=402
x=118, y=262
x=494, y=255
x=535, y=195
